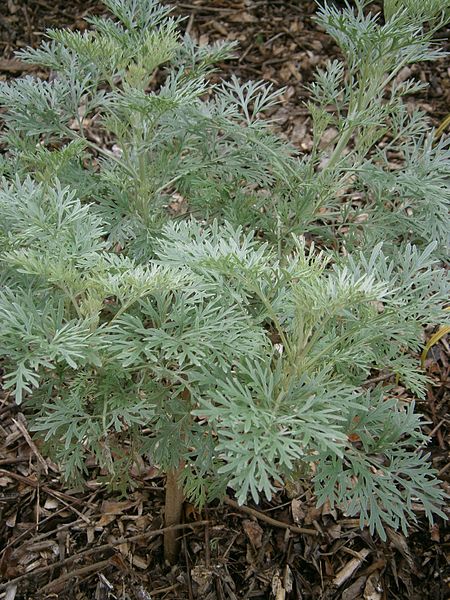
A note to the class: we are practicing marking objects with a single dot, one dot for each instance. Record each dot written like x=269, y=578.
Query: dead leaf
x=373, y=589
x=298, y=512
x=5, y=481
x=243, y=17
x=12, y=7
x=288, y=580
x=106, y=520
x=254, y=532
x=278, y=590
x=281, y=116
x=353, y=592
x=328, y=137
x=295, y=72
x=435, y=533
x=403, y=75
x=124, y=548
x=333, y=531
x=203, y=578
x=220, y=28
x=111, y=507
x=11, y=520
x=299, y=135
x=179, y=205
x=285, y=73
x=399, y=542
x=327, y=510
x=312, y=514
x=139, y=562
x=51, y=504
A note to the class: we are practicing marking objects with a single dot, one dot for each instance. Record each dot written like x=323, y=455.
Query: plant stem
x=173, y=510
x=106, y=153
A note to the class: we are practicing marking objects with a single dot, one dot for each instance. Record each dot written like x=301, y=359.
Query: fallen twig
x=262, y=517
x=164, y=590
x=102, y=548
x=14, y=65
x=42, y=536
x=98, y=566
x=23, y=430
x=44, y=488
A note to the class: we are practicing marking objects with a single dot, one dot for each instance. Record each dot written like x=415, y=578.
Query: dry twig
x=98, y=549
x=262, y=517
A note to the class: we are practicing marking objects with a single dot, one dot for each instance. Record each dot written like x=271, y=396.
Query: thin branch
x=274, y=522
x=102, y=548
x=98, y=566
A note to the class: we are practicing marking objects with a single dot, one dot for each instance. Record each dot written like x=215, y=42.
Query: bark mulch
x=58, y=542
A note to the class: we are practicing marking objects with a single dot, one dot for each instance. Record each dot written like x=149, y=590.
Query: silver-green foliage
x=185, y=135
x=217, y=354
x=404, y=198
x=208, y=143
x=196, y=343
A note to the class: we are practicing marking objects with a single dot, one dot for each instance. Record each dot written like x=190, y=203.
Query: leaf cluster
x=225, y=342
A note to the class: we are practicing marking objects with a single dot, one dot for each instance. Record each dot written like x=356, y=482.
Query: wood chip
x=140, y=562
x=14, y=65
x=11, y=592
x=347, y=571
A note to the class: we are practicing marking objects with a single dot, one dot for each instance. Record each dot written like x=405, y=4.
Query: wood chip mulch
x=58, y=542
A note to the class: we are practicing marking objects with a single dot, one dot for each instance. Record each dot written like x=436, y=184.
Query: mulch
x=86, y=542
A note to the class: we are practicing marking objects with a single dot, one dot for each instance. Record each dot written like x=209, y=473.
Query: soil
x=85, y=543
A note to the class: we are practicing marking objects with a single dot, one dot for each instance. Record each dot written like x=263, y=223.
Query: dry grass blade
x=434, y=339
